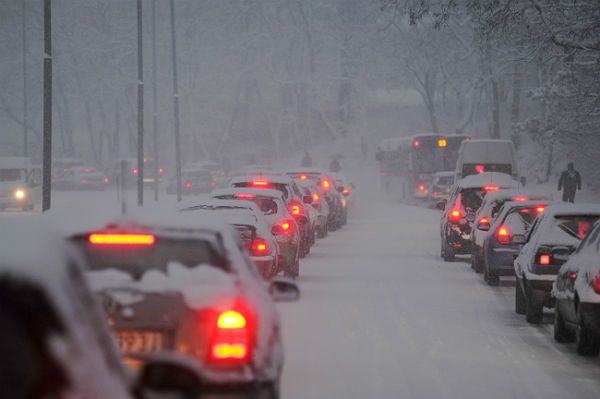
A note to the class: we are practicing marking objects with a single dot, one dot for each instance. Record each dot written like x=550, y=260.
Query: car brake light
x=545, y=259
x=161, y=170
x=260, y=247
x=503, y=235
x=436, y=193
x=326, y=184
x=188, y=184
x=421, y=187
x=135, y=171
x=106, y=180
x=316, y=197
x=287, y=226
x=231, y=340
x=455, y=214
x=520, y=199
x=260, y=183
x=346, y=192
x=213, y=184
x=244, y=196
x=491, y=188
x=484, y=220
x=416, y=143
x=479, y=168
x=121, y=239
x=303, y=177
x=595, y=284
x=540, y=209
x=295, y=209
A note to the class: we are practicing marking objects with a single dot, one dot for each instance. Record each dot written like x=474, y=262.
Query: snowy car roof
x=259, y=192
x=218, y=204
x=508, y=193
x=445, y=174
x=482, y=179
x=568, y=209
x=271, y=178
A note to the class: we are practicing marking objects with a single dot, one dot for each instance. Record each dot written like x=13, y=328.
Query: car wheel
x=534, y=309
x=561, y=333
x=586, y=344
x=448, y=252
x=476, y=262
x=520, y=302
x=490, y=276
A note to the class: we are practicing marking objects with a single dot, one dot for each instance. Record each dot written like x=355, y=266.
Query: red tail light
x=188, y=184
x=106, y=180
x=287, y=226
x=520, y=198
x=296, y=209
x=303, y=177
x=326, y=184
x=316, y=197
x=213, y=184
x=484, y=220
x=455, y=215
x=503, y=235
x=244, y=196
x=121, y=239
x=416, y=143
x=595, y=284
x=480, y=168
x=435, y=193
x=260, y=183
x=545, y=259
x=161, y=170
x=231, y=340
x=260, y=247
x=346, y=192
x=491, y=188
x=421, y=187
x=540, y=209
x=135, y=171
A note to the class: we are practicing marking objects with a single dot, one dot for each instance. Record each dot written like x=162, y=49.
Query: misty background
x=262, y=79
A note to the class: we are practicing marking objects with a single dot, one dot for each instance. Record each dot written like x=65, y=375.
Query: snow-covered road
x=382, y=316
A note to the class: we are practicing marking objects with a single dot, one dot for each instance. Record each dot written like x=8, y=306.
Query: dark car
x=458, y=216
x=550, y=242
x=577, y=297
x=193, y=182
x=504, y=237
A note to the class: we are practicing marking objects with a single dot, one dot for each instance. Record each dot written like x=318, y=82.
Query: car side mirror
x=519, y=239
x=284, y=290
x=172, y=376
x=277, y=230
x=307, y=199
x=483, y=226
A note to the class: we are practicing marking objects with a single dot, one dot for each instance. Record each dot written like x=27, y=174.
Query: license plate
x=140, y=341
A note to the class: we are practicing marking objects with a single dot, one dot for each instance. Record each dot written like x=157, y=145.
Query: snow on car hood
x=199, y=286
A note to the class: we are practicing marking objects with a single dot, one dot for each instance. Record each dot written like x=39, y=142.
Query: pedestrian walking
x=569, y=183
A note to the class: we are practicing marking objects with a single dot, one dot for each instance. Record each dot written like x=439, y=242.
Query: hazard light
x=121, y=239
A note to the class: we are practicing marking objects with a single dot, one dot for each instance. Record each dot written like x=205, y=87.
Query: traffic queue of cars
x=187, y=295
x=553, y=250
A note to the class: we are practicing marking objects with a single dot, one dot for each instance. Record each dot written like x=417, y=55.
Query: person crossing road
x=569, y=183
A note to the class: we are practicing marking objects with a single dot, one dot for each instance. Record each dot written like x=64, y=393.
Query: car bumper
x=501, y=260
x=460, y=240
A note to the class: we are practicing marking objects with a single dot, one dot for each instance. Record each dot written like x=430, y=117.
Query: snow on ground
x=382, y=316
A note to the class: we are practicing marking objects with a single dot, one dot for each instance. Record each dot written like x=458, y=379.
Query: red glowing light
x=260, y=247
x=421, y=187
x=121, y=239
x=455, y=214
x=106, y=180
x=244, y=196
x=346, y=192
x=480, y=168
x=161, y=170
x=295, y=209
x=416, y=143
x=260, y=183
x=231, y=319
x=213, y=184
x=188, y=184
x=484, y=220
x=503, y=235
x=316, y=197
x=135, y=171
x=231, y=338
x=520, y=198
x=491, y=188
x=303, y=177
x=326, y=184
x=540, y=209
x=545, y=259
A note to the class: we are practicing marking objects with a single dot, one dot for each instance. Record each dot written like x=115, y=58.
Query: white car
x=249, y=222
x=176, y=285
x=554, y=235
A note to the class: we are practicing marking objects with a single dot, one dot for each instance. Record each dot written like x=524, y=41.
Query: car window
x=139, y=259
x=472, y=198
x=29, y=321
x=575, y=226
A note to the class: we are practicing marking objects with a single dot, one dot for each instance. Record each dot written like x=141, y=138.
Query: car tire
x=561, y=333
x=520, y=301
x=534, y=309
x=476, y=262
x=448, y=253
x=490, y=277
x=586, y=344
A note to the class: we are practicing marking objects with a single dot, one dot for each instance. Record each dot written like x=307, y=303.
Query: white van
x=487, y=155
x=20, y=184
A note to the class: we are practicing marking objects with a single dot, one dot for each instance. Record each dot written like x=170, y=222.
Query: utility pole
x=140, y=104
x=25, y=121
x=176, y=102
x=47, y=140
x=154, y=105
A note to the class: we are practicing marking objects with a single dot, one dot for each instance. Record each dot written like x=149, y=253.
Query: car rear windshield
x=10, y=174
x=575, y=226
x=475, y=168
x=445, y=180
x=273, y=186
x=267, y=205
x=136, y=260
x=472, y=198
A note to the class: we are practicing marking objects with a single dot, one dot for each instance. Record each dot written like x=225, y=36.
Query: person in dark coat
x=307, y=160
x=569, y=182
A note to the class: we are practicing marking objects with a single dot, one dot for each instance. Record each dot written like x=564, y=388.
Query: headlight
x=19, y=194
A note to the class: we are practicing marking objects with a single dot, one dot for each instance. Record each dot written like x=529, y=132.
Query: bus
x=407, y=164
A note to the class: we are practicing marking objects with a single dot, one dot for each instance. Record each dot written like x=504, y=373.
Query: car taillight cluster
x=503, y=235
x=231, y=341
x=287, y=226
x=596, y=284
x=296, y=209
x=260, y=247
x=455, y=215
